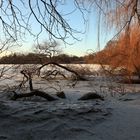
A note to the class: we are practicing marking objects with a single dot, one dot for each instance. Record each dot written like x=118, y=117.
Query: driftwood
x=91, y=95
x=34, y=93
x=61, y=94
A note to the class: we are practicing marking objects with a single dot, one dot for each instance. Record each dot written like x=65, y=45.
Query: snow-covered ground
x=115, y=118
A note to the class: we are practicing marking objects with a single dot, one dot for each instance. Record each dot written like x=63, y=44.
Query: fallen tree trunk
x=34, y=93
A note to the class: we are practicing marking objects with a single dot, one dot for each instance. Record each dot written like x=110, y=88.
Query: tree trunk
x=30, y=83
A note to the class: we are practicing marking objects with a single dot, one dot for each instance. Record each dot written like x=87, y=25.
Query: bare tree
x=47, y=49
x=17, y=19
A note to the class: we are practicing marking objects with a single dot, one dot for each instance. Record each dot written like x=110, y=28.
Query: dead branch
x=52, y=73
x=78, y=77
x=28, y=77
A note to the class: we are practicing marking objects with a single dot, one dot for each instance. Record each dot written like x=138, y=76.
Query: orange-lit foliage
x=130, y=50
x=123, y=52
x=89, y=59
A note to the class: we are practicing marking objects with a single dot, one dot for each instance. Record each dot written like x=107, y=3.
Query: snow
x=115, y=118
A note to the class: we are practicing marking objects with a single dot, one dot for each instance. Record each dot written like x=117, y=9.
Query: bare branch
x=63, y=67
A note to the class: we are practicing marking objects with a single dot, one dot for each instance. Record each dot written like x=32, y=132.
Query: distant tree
x=90, y=58
x=47, y=51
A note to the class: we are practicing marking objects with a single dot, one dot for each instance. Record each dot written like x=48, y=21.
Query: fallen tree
x=29, y=73
x=34, y=93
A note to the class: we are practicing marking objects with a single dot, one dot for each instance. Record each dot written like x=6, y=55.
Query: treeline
x=33, y=58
